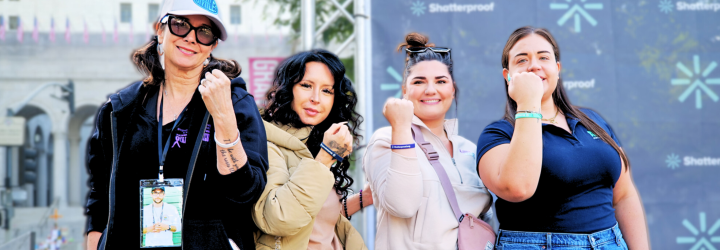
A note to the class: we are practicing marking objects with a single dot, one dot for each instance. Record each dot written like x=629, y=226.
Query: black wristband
x=361, y=204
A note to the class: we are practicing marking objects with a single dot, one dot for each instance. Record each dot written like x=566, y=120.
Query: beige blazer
x=297, y=186
x=413, y=210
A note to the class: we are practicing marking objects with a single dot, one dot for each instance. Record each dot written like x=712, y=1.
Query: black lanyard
x=163, y=152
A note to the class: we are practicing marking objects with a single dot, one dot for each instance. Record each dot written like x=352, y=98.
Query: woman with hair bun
x=413, y=209
x=311, y=127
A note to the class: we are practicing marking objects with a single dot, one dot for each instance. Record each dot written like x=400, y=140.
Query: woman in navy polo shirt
x=558, y=170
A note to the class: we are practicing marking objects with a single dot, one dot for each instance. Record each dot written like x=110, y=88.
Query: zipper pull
x=453, y=159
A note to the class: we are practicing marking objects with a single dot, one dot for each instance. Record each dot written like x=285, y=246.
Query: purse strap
x=433, y=157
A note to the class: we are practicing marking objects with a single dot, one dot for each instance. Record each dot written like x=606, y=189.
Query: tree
x=289, y=12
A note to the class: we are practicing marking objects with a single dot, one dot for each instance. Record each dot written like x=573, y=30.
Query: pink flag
x=236, y=35
x=86, y=36
x=2, y=29
x=67, y=30
x=20, y=31
x=52, y=30
x=147, y=32
x=35, y=30
x=115, y=33
x=130, y=37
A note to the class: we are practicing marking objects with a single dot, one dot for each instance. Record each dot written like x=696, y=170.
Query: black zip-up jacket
x=123, y=149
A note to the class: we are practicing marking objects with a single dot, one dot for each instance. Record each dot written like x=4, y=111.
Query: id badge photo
x=161, y=212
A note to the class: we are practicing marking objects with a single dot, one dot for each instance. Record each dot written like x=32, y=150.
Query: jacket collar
x=450, y=125
x=289, y=137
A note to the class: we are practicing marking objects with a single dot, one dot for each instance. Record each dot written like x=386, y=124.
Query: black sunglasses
x=181, y=27
x=423, y=49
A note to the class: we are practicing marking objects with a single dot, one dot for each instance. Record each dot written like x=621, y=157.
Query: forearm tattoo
x=224, y=154
x=338, y=148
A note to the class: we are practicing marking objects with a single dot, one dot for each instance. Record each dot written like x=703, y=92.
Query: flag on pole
x=20, y=31
x=67, y=29
x=2, y=28
x=147, y=32
x=86, y=36
x=130, y=37
x=102, y=25
x=52, y=30
x=235, y=37
x=35, y=30
x=115, y=33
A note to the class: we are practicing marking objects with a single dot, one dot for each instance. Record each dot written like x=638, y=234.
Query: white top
x=167, y=214
x=413, y=210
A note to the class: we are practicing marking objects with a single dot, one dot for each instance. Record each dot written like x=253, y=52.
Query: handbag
x=473, y=233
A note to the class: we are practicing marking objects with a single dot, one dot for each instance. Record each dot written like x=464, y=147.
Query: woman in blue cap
x=185, y=121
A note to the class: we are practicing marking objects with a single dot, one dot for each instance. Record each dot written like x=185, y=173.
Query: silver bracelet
x=223, y=145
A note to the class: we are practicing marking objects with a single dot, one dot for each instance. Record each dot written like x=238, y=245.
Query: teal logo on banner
x=395, y=86
x=673, y=161
x=666, y=6
x=418, y=8
x=575, y=12
x=694, y=79
x=701, y=234
x=208, y=5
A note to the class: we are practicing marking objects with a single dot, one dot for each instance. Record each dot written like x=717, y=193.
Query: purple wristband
x=402, y=146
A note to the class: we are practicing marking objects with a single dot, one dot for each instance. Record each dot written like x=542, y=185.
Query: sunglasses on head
x=423, y=49
x=181, y=27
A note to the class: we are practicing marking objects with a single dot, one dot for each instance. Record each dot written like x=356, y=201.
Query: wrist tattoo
x=338, y=148
x=227, y=163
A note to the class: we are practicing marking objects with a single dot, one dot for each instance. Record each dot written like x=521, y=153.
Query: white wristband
x=223, y=145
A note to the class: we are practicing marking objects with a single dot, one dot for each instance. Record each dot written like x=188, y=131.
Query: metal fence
x=22, y=242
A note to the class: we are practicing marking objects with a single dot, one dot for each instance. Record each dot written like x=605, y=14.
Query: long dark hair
x=280, y=97
x=147, y=61
x=559, y=97
x=414, y=39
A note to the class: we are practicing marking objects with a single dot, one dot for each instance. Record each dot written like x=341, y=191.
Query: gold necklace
x=552, y=120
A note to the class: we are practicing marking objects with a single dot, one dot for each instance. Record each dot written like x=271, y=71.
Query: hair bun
x=415, y=39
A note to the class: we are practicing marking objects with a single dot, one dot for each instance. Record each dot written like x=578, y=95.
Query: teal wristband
x=528, y=115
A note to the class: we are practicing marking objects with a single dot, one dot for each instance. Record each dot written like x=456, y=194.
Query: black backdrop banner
x=650, y=68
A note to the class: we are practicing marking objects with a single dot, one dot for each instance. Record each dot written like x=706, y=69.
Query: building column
x=60, y=167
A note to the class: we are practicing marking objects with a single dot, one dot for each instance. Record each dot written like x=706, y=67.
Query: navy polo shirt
x=575, y=191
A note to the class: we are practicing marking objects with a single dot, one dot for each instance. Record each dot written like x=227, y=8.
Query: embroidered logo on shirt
x=470, y=153
x=180, y=137
x=206, y=136
x=593, y=135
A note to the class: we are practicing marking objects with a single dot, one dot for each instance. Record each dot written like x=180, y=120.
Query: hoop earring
x=161, y=54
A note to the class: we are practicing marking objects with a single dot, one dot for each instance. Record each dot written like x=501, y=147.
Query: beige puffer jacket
x=297, y=186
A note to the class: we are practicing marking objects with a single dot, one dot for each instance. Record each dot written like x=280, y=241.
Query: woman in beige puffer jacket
x=311, y=102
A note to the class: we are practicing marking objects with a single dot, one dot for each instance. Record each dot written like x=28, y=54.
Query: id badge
x=161, y=212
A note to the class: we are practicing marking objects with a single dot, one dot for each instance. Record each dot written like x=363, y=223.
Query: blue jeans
x=607, y=239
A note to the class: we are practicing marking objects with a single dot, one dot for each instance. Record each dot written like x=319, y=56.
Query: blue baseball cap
x=207, y=8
